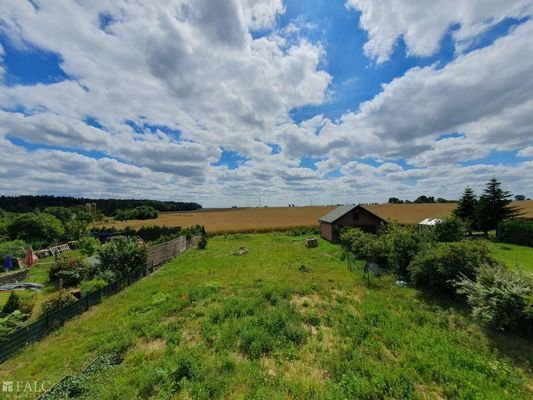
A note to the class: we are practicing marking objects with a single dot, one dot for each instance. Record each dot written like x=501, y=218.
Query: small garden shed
x=352, y=216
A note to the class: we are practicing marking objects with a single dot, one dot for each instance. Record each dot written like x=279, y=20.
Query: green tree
x=395, y=200
x=89, y=245
x=75, y=228
x=40, y=229
x=494, y=206
x=61, y=213
x=451, y=229
x=123, y=257
x=425, y=199
x=466, y=208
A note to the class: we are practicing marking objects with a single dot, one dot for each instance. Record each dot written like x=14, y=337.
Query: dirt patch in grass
x=269, y=365
x=299, y=368
x=310, y=300
x=151, y=346
x=337, y=293
x=191, y=337
x=429, y=392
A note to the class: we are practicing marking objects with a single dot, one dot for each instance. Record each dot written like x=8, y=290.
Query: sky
x=265, y=102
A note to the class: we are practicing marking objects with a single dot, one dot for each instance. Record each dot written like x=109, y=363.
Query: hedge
x=518, y=231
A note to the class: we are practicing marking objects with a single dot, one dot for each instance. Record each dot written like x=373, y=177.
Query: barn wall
x=326, y=231
x=367, y=222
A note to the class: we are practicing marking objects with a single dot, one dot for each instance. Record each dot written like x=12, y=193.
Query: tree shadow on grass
x=518, y=347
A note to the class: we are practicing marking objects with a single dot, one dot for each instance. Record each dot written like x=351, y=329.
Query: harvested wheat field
x=282, y=218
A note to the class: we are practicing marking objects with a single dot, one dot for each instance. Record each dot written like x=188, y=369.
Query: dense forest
x=106, y=206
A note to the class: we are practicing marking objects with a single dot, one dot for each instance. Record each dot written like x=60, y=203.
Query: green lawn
x=514, y=256
x=280, y=322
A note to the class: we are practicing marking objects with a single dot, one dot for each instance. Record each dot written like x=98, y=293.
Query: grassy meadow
x=283, y=218
x=282, y=321
x=514, y=256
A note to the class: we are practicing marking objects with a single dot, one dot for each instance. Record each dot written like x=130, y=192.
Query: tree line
x=109, y=207
x=420, y=200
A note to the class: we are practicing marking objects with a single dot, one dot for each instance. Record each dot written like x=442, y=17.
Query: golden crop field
x=282, y=218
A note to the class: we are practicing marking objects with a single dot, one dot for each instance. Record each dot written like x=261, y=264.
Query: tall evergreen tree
x=494, y=206
x=466, y=208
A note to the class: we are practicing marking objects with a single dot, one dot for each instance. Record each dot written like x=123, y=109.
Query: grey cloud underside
x=195, y=67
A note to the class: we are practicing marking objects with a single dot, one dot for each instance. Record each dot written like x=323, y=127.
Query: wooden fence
x=157, y=255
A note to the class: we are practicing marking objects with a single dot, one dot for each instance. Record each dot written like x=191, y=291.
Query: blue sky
x=294, y=101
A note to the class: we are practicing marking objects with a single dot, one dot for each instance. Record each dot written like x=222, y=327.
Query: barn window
x=356, y=215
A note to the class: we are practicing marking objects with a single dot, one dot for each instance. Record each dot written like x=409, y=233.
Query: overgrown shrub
x=88, y=287
x=518, y=231
x=401, y=244
x=11, y=323
x=451, y=229
x=12, y=304
x=440, y=265
x=89, y=245
x=356, y=241
x=71, y=271
x=499, y=297
x=56, y=302
x=123, y=257
x=393, y=248
x=202, y=243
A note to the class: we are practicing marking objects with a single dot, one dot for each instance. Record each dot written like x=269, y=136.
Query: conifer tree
x=466, y=208
x=494, y=206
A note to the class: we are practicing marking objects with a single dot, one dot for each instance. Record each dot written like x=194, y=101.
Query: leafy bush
x=202, y=243
x=440, y=265
x=123, y=257
x=11, y=323
x=518, y=231
x=451, y=229
x=377, y=250
x=356, y=241
x=499, y=297
x=56, y=302
x=88, y=287
x=401, y=246
x=72, y=272
x=394, y=248
x=89, y=245
x=12, y=304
